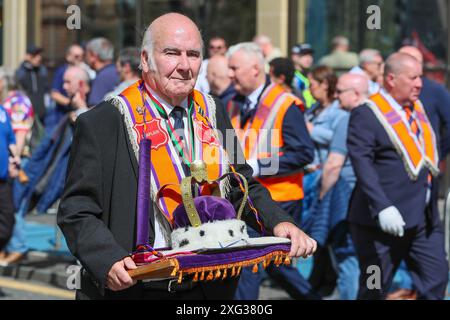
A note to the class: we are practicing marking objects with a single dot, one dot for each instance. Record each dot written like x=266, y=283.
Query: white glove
x=255, y=166
x=391, y=221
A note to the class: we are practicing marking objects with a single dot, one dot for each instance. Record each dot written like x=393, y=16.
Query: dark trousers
x=6, y=213
x=213, y=290
x=288, y=277
x=421, y=247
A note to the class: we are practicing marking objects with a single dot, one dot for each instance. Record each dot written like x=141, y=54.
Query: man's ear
x=390, y=79
x=144, y=62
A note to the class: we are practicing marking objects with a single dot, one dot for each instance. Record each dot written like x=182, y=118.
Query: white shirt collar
x=391, y=100
x=253, y=97
x=167, y=107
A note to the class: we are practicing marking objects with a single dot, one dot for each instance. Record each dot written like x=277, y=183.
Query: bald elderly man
x=393, y=151
x=219, y=82
x=352, y=90
x=97, y=213
x=436, y=100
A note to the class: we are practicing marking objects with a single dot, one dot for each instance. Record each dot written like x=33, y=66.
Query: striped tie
x=412, y=121
x=416, y=130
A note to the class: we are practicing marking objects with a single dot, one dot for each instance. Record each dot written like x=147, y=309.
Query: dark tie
x=246, y=112
x=177, y=115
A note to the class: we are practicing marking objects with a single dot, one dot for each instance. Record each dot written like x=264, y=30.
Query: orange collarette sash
x=166, y=162
x=416, y=153
x=262, y=138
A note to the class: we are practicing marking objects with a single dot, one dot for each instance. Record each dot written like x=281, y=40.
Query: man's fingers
x=294, y=247
x=311, y=247
x=113, y=282
x=124, y=277
x=129, y=263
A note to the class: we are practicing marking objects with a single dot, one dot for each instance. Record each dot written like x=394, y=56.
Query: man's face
x=243, y=72
x=216, y=47
x=36, y=60
x=407, y=84
x=75, y=55
x=348, y=97
x=177, y=58
x=71, y=83
x=374, y=68
x=305, y=61
x=90, y=58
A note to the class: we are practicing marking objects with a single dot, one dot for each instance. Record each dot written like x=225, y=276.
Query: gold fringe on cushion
x=220, y=271
x=239, y=270
x=224, y=274
x=287, y=261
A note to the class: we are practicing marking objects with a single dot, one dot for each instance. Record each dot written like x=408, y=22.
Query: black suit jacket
x=97, y=213
x=382, y=180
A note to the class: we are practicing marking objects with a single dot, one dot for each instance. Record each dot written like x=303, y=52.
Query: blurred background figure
x=329, y=188
x=217, y=47
x=283, y=176
x=100, y=57
x=269, y=51
x=352, y=90
x=74, y=56
x=128, y=67
x=19, y=109
x=281, y=72
x=370, y=65
x=219, y=82
x=8, y=170
x=302, y=56
x=340, y=59
x=32, y=76
x=46, y=169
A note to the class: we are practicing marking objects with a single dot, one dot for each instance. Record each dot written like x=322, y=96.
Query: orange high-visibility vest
x=264, y=130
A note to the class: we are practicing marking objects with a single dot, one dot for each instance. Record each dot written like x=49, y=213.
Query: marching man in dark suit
x=393, y=215
x=98, y=209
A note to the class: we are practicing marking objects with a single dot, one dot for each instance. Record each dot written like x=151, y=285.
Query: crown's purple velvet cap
x=209, y=209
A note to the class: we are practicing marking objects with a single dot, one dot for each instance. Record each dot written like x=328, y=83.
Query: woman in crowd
x=330, y=184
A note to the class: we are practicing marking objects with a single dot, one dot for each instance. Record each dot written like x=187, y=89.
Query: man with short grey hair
x=370, y=65
x=262, y=113
x=99, y=56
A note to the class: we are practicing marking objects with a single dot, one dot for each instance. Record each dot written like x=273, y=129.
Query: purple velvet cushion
x=209, y=209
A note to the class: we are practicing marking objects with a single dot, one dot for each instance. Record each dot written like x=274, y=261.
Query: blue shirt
x=105, y=82
x=6, y=138
x=58, y=80
x=330, y=135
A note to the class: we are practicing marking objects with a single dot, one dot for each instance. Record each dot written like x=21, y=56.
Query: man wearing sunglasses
x=217, y=47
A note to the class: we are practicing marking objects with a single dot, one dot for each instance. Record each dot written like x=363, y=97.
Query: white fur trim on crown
x=211, y=235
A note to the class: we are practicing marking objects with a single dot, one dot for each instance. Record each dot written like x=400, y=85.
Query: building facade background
x=43, y=22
